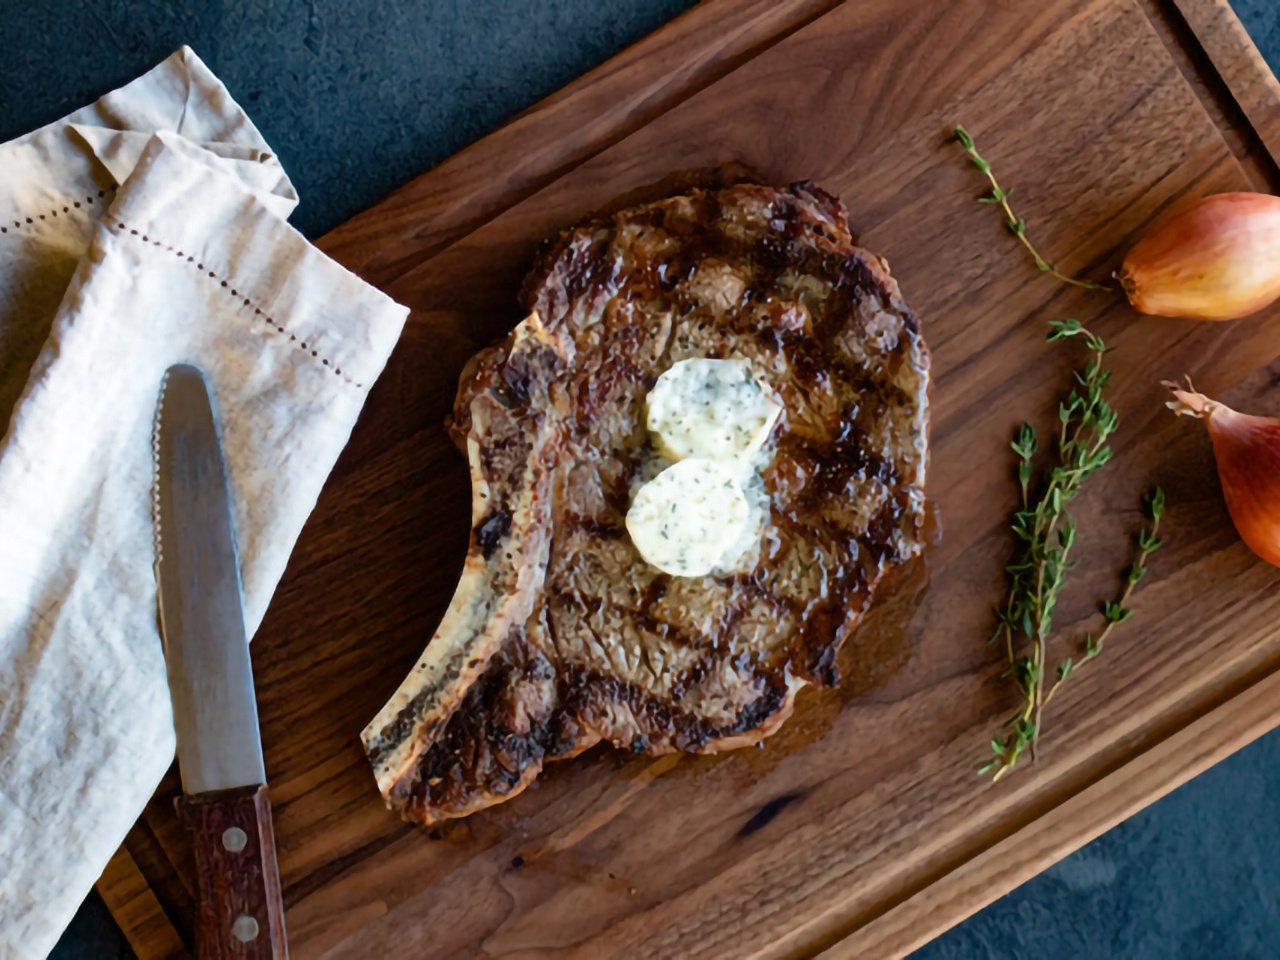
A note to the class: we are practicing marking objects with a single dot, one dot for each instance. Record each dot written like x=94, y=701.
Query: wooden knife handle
x=241, y=912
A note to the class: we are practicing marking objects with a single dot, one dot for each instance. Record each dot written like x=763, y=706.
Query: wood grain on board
x=861, y=827
x=128, y=895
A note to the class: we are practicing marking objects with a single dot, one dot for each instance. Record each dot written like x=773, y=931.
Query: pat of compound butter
x=711, y=408
x=688, y=517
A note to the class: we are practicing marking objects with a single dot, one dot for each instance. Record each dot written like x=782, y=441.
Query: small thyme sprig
x=1017, y=225
x=1117, y=611
x=1046, y=534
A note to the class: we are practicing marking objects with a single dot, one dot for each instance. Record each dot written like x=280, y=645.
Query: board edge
x=1238, y=64
x=1149, y=775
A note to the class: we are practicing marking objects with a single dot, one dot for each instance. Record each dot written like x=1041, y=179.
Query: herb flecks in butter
x=685, y=519
x=713, y=409
x=704, y=513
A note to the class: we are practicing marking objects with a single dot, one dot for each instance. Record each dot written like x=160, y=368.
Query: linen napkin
x=141, y=231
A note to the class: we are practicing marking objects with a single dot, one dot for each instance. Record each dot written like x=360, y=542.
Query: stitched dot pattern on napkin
x=124, y=230
x=67, y=207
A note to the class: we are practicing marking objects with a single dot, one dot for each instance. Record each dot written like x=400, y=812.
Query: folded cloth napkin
x=139, y=232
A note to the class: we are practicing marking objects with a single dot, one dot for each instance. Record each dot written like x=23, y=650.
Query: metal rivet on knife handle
x=234, y=839
x=245, y=928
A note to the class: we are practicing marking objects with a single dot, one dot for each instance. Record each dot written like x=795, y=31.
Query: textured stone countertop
x=359, y=97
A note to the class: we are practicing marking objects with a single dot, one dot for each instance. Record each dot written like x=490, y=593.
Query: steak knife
x=215, y=715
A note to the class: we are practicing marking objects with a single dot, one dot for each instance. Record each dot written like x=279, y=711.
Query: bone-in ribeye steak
x=560, y=635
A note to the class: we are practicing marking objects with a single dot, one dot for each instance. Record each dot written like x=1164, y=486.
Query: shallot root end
x=1188, y=402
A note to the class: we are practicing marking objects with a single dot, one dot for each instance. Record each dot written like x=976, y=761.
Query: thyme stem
x=1017, y=226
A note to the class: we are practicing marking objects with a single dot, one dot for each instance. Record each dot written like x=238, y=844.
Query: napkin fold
x=139, y=232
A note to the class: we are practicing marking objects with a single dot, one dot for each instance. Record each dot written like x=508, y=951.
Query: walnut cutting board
x=862, y=828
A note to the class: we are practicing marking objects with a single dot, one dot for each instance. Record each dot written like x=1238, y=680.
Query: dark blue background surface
x=359, y=97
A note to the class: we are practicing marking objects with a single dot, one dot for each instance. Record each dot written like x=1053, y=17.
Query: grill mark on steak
x=586, y=642
x=480, y=756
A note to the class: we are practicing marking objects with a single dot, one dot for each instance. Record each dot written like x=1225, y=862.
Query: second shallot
x=1247, y=449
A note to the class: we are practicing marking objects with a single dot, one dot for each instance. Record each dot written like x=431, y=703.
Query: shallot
x=1219, y=259
x=1247, y=449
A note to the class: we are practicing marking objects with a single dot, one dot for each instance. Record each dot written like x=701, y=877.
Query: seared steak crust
x=561, y=634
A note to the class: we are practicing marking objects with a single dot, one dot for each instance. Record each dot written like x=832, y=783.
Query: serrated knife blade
x=215, y=714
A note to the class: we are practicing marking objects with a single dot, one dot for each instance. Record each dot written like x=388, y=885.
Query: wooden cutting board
x=861, y=828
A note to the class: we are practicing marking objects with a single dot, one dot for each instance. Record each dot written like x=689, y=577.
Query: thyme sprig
x=1046, y=534
x=1117, y=611
x=1017, y=226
